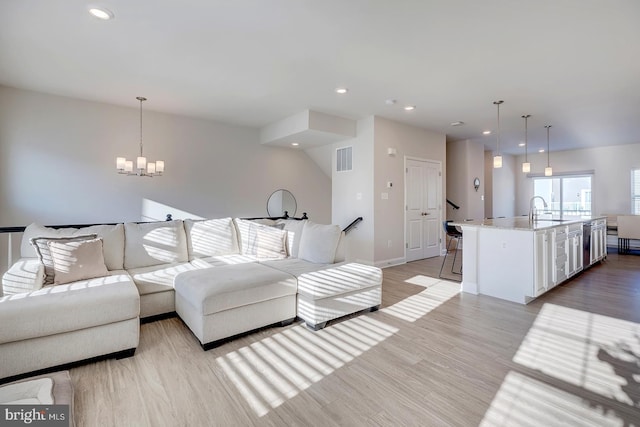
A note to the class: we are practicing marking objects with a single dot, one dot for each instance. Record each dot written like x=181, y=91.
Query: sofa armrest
x=26, y=275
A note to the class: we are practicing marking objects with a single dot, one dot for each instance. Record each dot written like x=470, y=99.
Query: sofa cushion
x=44, y=253
x=25, y=275
x=77, y=260
x=223, y=288
x=211, y=237
x=154, y=243
x=316, y=281
x=294, y=229
x=112, y=243
x=220, y=260
x=112, y=236
x=158, y=278
x=69, y=307
x=319, y=242
x=261, y=241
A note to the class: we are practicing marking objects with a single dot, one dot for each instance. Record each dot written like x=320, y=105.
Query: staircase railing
x=453, y=205
x=352, y=225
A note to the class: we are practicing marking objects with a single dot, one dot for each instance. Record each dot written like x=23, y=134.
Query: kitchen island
x=518, y=259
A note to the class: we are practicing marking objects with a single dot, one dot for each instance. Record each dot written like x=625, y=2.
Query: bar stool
x=453, y=233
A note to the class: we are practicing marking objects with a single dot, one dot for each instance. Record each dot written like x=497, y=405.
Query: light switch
x=358, y=196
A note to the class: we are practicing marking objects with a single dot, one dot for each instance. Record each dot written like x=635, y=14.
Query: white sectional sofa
x=223, y=277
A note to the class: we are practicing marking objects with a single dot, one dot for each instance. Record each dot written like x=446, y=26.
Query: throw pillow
x=294, y=229
x=271, y=242
x=261, y=241
x=44, y=254
x=77, y=260
x=211, y=237
x=319, y=242
x=27, y=250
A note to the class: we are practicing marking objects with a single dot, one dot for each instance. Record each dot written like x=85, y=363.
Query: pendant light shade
x=548, y=171
x=125, y=167
x=526, y=166
x=497, y=159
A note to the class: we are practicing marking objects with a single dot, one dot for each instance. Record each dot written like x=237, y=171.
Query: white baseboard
x=390, y=262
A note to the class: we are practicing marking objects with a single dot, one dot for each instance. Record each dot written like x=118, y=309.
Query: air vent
x=343, y=159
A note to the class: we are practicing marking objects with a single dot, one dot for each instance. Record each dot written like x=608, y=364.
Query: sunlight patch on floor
x=416, y=306
x=525, y=402
x=271, y=371
x=585, y=349
x=421, y=280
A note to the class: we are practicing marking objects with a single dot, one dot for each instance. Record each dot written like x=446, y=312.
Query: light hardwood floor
x=430, y=357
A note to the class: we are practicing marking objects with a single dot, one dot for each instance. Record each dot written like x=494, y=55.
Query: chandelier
x=143, y=168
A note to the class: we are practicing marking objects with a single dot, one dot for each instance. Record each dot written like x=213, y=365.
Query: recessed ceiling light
x=342, y=90
x=295, y=144
x=486, y=132
x=541, y=150
x=458, y=123
x=521, y=144
x=409, y=108
x=101, y=13
x=390, y=101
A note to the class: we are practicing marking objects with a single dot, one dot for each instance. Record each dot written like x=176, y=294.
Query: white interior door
x=422, y=209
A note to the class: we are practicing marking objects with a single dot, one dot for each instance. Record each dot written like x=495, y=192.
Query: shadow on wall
x=156, y=211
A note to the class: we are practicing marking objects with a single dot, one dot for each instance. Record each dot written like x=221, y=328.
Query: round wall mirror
x=281, y=201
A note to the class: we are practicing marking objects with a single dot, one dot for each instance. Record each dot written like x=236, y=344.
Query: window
x=343, y=159
x=635, y=191
x=567, y=196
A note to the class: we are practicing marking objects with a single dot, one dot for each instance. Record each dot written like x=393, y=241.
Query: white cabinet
x=574, y=249
x=560, y=255
x=543, y=261
x=598, y=240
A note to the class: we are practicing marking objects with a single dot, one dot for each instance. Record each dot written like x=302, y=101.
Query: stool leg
x=455, y=255
x=445, y=258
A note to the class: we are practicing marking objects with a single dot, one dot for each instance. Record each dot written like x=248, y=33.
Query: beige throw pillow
x=41, y=245
x=77, y=260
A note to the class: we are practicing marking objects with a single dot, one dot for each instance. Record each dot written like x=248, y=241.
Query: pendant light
x=548, y=171
x=497, y=159
x=143, y=168
x=526, y=166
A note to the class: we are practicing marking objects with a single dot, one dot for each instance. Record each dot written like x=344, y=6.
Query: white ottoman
x=219, y=303
x=328, y=292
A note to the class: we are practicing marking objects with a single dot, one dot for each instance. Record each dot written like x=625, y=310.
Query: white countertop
x=522, y=222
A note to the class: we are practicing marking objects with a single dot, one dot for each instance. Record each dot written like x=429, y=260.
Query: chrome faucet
x=533, y=215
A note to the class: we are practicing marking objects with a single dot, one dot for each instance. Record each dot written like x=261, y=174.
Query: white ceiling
x=574, y=64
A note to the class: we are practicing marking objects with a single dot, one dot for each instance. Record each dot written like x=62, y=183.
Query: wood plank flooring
x=430, y=357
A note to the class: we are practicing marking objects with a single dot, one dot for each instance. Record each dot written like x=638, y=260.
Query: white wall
x=488, y=184
x=358, y=192
x=57, y=164
x=612, y=174
x=389, y=214
x=465, y=162
x=352, y=193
